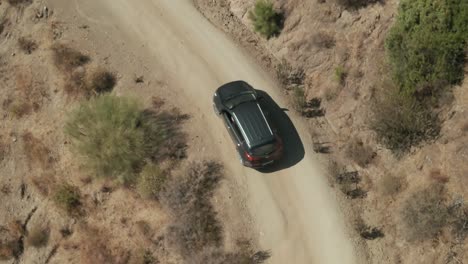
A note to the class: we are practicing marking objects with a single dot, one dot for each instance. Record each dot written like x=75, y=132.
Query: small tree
x=427, y=44
x=265, y=19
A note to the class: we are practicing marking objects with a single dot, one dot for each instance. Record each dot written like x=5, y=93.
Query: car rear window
x=264, y=149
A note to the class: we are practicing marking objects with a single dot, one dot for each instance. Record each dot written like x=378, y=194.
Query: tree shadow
x=293, y=149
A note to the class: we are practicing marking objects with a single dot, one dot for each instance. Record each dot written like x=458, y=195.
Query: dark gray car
x=256, y=140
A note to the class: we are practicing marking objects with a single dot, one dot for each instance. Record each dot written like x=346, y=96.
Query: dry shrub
x=101, y=81
x=19, y=107
x=68, y=198
x=19, y=2
x=391, y=185
x=144, y=228
x=44, y=183
x=142, y=256
x=360, y=153
x=67, y=58
x=402, y=122
x=299, y=99
x=38, y=237
x=189, y=199
x=27, y=45
x=28, y=96
x=37, y=153
x=218, y=256
x=79, y=83
x=95, y=251
x=464, y=128
x=165, y=129
x=76, y=83
x=368, y=232
x=151, y=181
x=288, y=76
x=9, y=250
x=356, y=3
x=16, y=228
x=438, y=176
x=323, y=40
x=425, y=213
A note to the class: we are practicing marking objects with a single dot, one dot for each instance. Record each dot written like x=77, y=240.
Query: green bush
x=150, y=182
x=340, y=74
x=106, y=131
x=402, y=122
x=426, y=46
x=265, y=19
x=68, y=198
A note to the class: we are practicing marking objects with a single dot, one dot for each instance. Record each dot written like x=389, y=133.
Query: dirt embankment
x=341, y=52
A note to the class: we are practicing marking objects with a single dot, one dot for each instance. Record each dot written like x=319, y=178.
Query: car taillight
x=251, y=158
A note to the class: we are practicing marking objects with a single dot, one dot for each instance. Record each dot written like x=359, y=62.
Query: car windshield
x=264, y=149
x=239, y=99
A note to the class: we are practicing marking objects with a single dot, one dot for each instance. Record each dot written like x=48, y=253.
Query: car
x=240, y=107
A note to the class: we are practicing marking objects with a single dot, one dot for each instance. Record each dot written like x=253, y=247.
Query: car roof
x=253, y=124
x=232, y=88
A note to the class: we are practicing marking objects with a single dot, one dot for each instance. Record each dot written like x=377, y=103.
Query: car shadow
x=292, y=144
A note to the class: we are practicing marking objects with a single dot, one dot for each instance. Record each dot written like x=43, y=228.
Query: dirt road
x=295, y=212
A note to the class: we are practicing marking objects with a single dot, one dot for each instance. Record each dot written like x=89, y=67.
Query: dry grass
x=16, y=228
x=75, y=83
x=143, y=256
x=391, y=185
x=95, y=248
x=37, y=153
x=19, y=107
x=240, y=256
x=165, y=127
x=27, y=45
x=425, y=213
x=150, y=181
x=438, y=176
x=38, y=237
x=464, y=127
x=359, y=152
x=323, y=40
x=44, y=183
x=9, y=250
x=67, y=58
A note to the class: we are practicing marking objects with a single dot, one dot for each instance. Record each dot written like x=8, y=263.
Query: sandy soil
x=294, y=210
